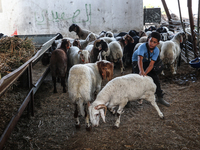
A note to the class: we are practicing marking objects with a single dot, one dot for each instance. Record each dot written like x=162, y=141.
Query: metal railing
x=9, y=79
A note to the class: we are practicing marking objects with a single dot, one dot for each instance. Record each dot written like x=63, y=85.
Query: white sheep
x=90, y=38
x=114, y=54
x=143, y=39
x=170, y=52
x=118, y=92
x=77, y=56
x=108, y=39
x=105, y=34
x=83, y=82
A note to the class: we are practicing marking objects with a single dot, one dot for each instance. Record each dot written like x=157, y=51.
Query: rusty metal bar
x=198, y=24
x=181, y=16
x=14, y=121
x=189, y=4
x=168, y=14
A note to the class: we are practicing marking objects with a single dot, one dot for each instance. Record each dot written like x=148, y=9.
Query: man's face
x=153, y=42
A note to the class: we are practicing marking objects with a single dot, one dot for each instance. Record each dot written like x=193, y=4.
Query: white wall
x=50, y=17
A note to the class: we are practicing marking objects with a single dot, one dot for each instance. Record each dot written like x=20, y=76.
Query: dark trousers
x=152, y=74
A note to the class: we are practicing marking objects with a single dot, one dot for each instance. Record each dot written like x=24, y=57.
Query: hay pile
x=14, y=52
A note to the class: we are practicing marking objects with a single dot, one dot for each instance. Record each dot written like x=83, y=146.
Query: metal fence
x=9, y=79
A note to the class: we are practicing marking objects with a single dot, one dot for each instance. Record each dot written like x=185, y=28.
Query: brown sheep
x=58, y=64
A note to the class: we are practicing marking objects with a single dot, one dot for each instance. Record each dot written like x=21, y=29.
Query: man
x=143, y=65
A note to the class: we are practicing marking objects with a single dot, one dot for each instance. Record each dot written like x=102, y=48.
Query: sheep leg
x=87, y=122
x=172, y=68
x=153, y=103
x=76, y=116
x=176, y=64
x=112, y=109
x=63, y=84
x=54, y=84
x=119, y=113
x=121, y=66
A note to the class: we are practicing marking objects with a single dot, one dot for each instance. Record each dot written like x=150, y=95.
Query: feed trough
x=195, y=63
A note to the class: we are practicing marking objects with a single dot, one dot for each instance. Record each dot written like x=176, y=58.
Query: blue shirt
x=143, y=51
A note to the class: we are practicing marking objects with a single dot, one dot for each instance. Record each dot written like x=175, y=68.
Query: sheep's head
x=95, y=113
x=65, y=45
x=105, y=69
x=128, y=39
x=179, y=37
x=76, y=43
x=74, y=27
x=84, y=56
x=133, y=33
x=91, y=37
x=142, y=33
x=109, y=34
x=102, y=34
x=101, y=45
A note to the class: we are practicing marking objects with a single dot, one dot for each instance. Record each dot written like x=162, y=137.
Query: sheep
x=83, y=82
x=109, y=34
x=170, y=52
x=102, y=34
x=76, y=43
x=77, y=56
x=105, y=34
x=108, y=39
x=128, y=50
x=114, y=54
x=58, y=64
x=99, y=45
x=133, y=87
x=143, y=39
x=163, y=32
x=82, y=33
x=57, y=43
x=90, y=38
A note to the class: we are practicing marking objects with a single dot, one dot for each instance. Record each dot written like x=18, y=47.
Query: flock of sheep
x=88, y=60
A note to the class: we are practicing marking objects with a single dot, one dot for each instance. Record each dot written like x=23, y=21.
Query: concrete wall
x=50, y=17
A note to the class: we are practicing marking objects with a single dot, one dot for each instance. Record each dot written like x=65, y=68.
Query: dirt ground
x=53, y=126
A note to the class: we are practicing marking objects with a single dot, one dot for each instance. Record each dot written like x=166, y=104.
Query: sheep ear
x=88, y=104
x=102, y=115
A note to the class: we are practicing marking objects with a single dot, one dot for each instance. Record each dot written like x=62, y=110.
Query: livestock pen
x=52, y=126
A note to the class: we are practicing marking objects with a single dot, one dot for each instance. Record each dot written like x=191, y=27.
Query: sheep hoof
x=115, y=127
x=163, y=118
x=88, y=128
x=64, y=91
x=55, y=91
x=78, y=126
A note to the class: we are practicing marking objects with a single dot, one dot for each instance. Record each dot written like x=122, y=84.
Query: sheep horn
x=100, y=107
x=79, y=51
